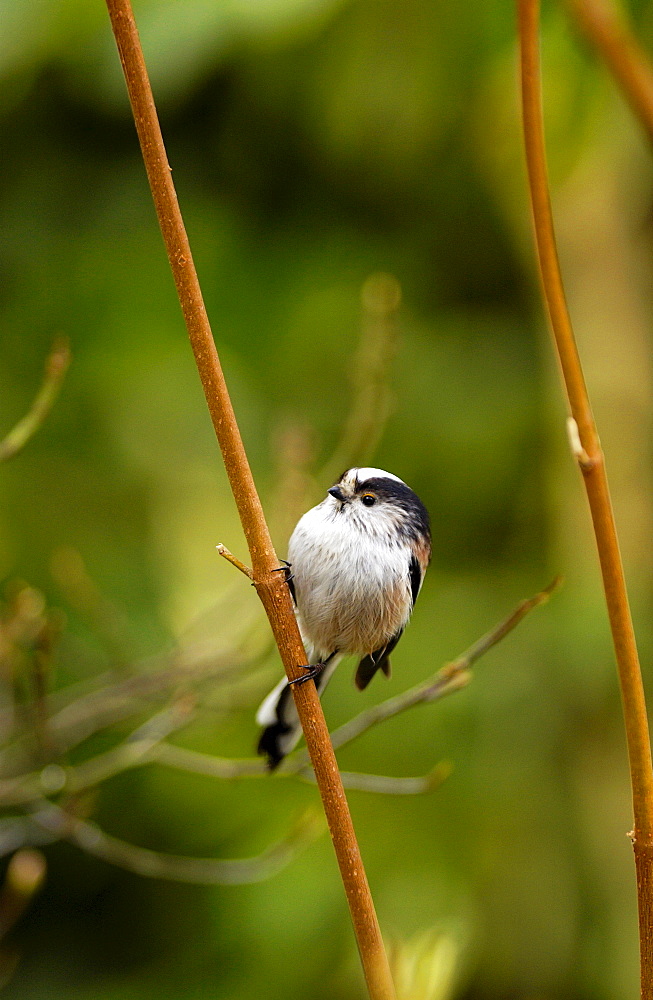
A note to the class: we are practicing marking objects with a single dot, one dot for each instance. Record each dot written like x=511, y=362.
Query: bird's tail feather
x=278, y=715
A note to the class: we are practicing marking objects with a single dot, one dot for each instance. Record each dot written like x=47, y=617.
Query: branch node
x=585, y=462
x=439, y=774
x=231, y=558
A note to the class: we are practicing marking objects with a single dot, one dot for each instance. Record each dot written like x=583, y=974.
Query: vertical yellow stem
x=592, y=465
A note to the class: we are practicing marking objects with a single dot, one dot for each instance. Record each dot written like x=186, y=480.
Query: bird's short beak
x=336, y=492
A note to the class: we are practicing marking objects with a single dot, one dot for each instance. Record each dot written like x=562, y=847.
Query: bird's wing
x=378, y=660
x=415, y=572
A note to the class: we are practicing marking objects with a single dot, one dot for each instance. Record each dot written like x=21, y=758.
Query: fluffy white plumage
x=352, y=584
x=357, y=560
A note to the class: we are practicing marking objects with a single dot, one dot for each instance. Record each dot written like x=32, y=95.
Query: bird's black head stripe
x=402, y=497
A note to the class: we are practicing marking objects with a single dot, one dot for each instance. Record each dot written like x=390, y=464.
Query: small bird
x=355, y=567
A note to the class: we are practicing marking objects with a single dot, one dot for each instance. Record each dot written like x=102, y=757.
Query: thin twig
x=23, y=879
x=69, y=571
x=371, y=397
x=449, y=679
x=29, y=788
x=269, y=584
x=229, y=769
x=446, y=681
x=607, y=30
x=196, y=762
x=147, y=744
x=178, y=868
x=139, y=748
x=42, y=664
x=97, y=710
x=231, y=558
x=596, y=485
x=77, y=721
x=500, y=631
x=370, y=404
x=383, y=784
x=55, y=369
x=21, y=831
x=452, y=677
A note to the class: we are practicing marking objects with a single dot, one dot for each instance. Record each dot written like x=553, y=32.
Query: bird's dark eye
x=368, y=499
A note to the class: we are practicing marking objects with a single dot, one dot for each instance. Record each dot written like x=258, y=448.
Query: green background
x=313, y=143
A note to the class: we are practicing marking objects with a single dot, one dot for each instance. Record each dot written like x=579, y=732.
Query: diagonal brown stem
x=270, y=586
x=592, y=465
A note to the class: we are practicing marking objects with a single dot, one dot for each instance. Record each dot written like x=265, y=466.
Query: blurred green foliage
x=314, y=142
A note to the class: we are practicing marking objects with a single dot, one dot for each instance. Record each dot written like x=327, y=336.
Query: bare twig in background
x=77, y=721
x=137, y=749
x=148, y=743
x=156, y=864
x=447, y=680
x=216, y=673
x=28, y=634
x=383, y=784
x=229, y=769
x=23, y=879
x=108, y=621
x=270, y=585
x=591, y=463
x=299, y=487
x=296, y=488
x=42, y=670
x=55, y=369
x=607, y=30
x=20, y=831
x=46, y=821
x=371, y=396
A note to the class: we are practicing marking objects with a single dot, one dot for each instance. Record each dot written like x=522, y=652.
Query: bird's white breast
x=351, y=579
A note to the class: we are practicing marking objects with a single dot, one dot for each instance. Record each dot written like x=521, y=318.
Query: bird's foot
x=285, y=569
x=312, y=672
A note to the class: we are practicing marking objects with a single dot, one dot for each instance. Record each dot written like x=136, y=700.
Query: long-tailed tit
x=357, y=562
